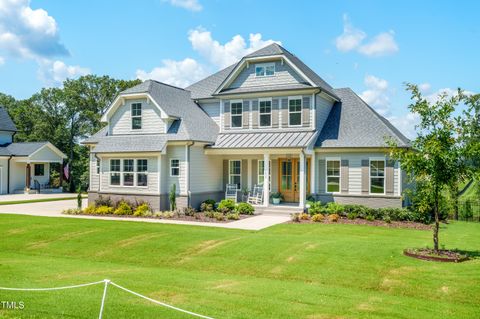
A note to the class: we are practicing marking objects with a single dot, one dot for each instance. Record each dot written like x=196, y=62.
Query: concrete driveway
x=17, y=197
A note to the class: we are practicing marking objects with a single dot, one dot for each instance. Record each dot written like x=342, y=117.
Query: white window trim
x=370, y=175
x=261, y=171
x=264, y=65
x=124, y=172
x=301, y=110
x=110, y=172
x=271, y=109
x=98, y=166
x=230, y=175
x=121, y=172
x=231, y=114
x=330, y=159
x=136, y=116
x=171, y=160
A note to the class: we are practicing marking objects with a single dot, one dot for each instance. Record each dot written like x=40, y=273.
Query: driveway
x=21, y=197
x=55, y=208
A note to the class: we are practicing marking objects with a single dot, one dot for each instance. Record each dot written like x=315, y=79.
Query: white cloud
x=192, y=5
x=449, y=92
x=351, y=37
x=2, y=60
x=53, y=73
x=352, y=40
x=382, y=44
x=178, y=73
x=223, y=55
x=406, y=123
x=424, y=87
x=377, y=93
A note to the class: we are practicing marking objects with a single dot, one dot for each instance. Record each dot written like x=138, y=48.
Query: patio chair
x=231, y=192
x=256, y=196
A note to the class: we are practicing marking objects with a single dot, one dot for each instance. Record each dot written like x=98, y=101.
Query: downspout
x=187, y=158
x=8, y=174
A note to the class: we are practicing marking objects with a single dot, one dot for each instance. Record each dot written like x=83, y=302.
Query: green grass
x=309, y=271
x=40, y=200
x=471, y=192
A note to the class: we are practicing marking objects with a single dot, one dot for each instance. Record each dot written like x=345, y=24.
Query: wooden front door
x=289, y=178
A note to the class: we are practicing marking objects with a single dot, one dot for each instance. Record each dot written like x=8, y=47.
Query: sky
x=374, y=47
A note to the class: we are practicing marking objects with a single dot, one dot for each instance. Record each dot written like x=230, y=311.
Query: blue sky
x=371, y=46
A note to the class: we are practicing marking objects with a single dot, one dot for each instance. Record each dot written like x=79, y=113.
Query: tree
x=436, y=159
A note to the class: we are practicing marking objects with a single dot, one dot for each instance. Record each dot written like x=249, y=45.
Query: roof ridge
x=166, y=84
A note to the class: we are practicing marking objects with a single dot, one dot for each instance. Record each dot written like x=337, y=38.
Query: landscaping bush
x=295, y=217
x=89, y=210
x=143, y=210
x=352, y=215
x=207, y=205
x=387, y=219
x=244, y=209
x=360, y=210
x=72, y=211
x=370, y=218
x=226, y=206
x=219, y=216
x=103, y=201
x=104, y=210
x=315, y=207
x=333, y=218
x=123, y=208
x=335, y=208
x=189, y=211
x=210, y=214
x=318, y=218
x=233, y=216
x=304, y=216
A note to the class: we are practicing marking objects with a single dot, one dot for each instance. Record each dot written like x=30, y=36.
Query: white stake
x=103, y=298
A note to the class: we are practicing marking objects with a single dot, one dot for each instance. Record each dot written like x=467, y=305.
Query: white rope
x=54, y=288
x=160, y=303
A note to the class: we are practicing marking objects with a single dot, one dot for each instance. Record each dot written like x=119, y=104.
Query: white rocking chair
x=231, y=192
x=256, y=196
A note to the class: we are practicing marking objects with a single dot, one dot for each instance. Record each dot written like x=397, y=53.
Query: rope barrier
x=106, y=282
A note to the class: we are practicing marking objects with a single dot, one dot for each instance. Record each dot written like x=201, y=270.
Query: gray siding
x=120, y=122
x=205, y=171
x=94, y=177
x=213, y=110
x=323, y=108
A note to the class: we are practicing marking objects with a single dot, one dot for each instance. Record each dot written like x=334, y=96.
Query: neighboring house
x=268, y=119
x=25, y=167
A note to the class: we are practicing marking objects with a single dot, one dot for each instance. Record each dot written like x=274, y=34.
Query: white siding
x=94, y=177
x=5, y=137
x=205, y=171
x=45, y=154
x=177, y=152
x=17, y=176
x=323, y=107
x=42, y=179
x=120, y=122
x=213, y=110
x=3, y=175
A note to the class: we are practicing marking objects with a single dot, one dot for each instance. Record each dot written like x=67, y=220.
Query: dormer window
x=265, y=69
x=265, y=113
x=237, y=114
x=136, y=116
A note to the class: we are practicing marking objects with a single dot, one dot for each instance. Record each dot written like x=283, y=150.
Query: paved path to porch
x=54, y=209
x=21, y=197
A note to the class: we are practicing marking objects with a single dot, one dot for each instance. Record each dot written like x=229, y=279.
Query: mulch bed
x=380, y=223
x=431, y=255
x=200, y=217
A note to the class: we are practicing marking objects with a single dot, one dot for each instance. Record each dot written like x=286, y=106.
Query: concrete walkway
x=54, y=209
x=18, y=197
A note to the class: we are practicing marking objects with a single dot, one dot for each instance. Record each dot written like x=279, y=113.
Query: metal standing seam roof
x=264, y=140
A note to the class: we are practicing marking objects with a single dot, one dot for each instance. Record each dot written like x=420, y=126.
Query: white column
x=266, y=179
x=302, y=195
x=249, y=161
x=313, y=179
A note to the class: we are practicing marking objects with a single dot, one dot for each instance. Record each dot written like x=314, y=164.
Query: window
x=114, y=172
x=377, y=176
x=265, y=113
x=237, y=110
x=235, y=173
x=174, y=167
x=295, y=112
x=128, y=175
x=333, y=176
x=261, y=167
x=136, y=116
x=142, y=168
x=266, y=69
x=98, y=165
x=39, y=169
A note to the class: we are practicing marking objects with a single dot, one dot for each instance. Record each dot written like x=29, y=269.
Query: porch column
x=266, y=179
x=312, y=174
x=302, y=195
x=249, y=166
x=27, y=176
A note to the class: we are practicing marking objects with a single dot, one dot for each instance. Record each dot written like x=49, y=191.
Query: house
x=267, y=120
x=26, y=167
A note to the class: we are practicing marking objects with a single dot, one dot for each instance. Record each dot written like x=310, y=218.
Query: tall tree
x=436, y=158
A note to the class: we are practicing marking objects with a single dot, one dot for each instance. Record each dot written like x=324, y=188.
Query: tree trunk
x=437, y=223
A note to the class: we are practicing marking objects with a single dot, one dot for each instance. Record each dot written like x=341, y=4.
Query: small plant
x=79, y=198
x=72, y=211
x=387, y=219
x=352, y=215
x=172, y=196
x=89, y=210
x=123, y=208
x=168, y=214
x=335, y=208
x=370, y=218
x=295, y=217
x=315, y=208
x=318, y=218
x=189, y=211
x=104, y=210
x=244, y=209
x=304, y=216
x=233, y=216
x=143, y=210
x=219, y=216
x=207, y=205
x=226, y=206
x=210, y=214
x=103, y=201
x=333, y=218
x=157, y=214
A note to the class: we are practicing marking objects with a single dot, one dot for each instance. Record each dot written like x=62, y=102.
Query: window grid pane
x=377, y=177
x=175, y=167
x=333, y=176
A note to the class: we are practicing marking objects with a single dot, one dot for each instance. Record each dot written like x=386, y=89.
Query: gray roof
x=6, y=123
x=130, y=143
x=21, y=149
x=206, y=88
x=353, y=123
x=265, y=139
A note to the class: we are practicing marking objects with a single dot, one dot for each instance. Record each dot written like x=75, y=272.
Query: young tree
x=436, y=158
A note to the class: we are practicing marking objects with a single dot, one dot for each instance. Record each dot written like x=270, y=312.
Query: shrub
x=226, y=206
x=335, y=208
x=304, y=216
x=359, y=210
x=89, y=210
x=79, y=198
x=103, y=201
x=387, y=219
x=72, y=211
x=168, y=214
x=207, y=205
x=189, y=211
x=219, y=216
x=370, y=218
x=244, y=209
x=295, y=217
x=172, y=196
x=333, y=217
x=233, y=216
x=104, y=210
x=315, y=207
x=123, y=208
x=352, y=215
x=318, y=218
x=210, y=214
x=143, y=210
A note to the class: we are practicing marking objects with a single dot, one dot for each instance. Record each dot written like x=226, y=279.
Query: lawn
x=288, y=271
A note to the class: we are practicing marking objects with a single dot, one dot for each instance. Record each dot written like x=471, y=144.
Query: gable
x=121, y=121
x=47, y=153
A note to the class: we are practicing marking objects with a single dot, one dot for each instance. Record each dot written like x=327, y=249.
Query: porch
x=37, y=177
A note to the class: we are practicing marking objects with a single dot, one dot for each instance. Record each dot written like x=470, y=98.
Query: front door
x=289, y=178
